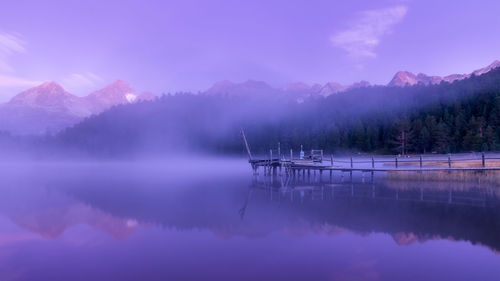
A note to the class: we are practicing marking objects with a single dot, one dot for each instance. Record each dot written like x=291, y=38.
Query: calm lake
x=206, y=219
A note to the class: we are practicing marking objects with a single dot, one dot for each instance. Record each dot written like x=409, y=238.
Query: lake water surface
x=212, y=220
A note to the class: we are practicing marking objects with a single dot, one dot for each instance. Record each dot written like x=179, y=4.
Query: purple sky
x=168, y=46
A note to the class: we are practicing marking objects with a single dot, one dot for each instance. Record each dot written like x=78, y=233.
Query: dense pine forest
x=458, y=117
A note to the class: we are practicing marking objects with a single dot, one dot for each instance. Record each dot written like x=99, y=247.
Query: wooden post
x=279, y=151
x=351, y=163
x=483, y=160
x=449, y=161
x=246, y=144
x=372, y=172
x=331, y=159
x=270, y=161
x=420, y=161
x=396, y=159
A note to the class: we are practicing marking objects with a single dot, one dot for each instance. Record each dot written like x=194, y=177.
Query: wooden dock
x=277, y=163
x=291, y=167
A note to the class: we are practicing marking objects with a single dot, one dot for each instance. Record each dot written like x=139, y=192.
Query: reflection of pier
x=469, y=213
x=279, y=203
x=286, y=188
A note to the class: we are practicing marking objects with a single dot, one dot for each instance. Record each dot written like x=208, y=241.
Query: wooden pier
x=277, y=163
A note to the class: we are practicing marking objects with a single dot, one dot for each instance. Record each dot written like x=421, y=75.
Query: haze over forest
x=264, y=140
x=412, y=114
x=346, y=77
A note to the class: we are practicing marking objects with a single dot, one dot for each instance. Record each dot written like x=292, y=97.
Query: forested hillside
x=461, y=116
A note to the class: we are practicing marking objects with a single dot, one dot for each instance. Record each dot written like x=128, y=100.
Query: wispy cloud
x=80, y=82
x=10, y=44
x=7, y=81
x=364, y=34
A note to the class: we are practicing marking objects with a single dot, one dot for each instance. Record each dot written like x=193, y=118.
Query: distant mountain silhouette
x=297, y=91
x=118, y=92
x=51, y=97
x=248, y=88
x=48, y=107
x=449, y=117
x=300, y=90
x=406, y=78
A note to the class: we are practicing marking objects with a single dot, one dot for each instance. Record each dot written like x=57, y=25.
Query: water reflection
x=409, y=211
x=340, y=229
x=50, y=214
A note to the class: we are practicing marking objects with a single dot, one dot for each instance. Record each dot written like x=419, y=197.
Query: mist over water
x=249, y=140
x=209, y=218
x=162, y=190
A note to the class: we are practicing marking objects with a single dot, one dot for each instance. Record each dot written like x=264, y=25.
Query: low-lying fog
x=209, y=218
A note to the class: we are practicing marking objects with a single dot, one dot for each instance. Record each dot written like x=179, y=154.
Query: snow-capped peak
x=131, y=97
x=405, y=78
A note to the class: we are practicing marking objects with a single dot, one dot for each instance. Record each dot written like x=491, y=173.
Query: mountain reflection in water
x=262, y=220
x=408, y=211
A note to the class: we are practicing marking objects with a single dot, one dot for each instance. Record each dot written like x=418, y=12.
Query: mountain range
x=50, y=108
x=300, y=91
x=297, y=90
x=406, y=78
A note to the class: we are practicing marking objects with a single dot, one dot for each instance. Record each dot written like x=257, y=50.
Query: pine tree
x=441, y=140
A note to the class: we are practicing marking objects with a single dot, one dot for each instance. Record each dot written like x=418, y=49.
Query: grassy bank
x=491, y=177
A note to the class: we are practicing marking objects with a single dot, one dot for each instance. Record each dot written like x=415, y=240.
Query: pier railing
x=420, y=161
x=449, y=162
